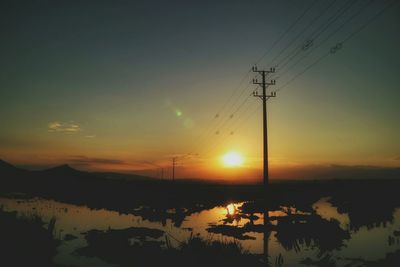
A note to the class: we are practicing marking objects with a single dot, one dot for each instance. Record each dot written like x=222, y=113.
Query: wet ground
x=320, y=235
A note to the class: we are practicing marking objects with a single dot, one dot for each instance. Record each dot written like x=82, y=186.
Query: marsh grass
x=26, y=240
x=114, y=247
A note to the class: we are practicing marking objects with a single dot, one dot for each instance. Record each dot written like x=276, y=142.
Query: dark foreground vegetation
x=141, y=252
x=26, y=241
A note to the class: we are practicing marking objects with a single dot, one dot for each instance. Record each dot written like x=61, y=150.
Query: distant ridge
x=9, y=169
x=62, y=170
x=5, y=164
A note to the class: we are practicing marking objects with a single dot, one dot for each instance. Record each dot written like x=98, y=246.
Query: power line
x=218, y=114
x=301, y=16
x=241, y=123
x=299, y=34
x=321, y=29
x=228, y=131
x=286, y=32
x=369, y=21
x=353, y=16
x=215, y=130
x=225, y=132
x=310, y=41
x=236, y=111
x=339, y=45
x=303, y=71
x=234, y=92
x=332, y=50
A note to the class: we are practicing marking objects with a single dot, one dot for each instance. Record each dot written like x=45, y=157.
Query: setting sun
x=232, y=159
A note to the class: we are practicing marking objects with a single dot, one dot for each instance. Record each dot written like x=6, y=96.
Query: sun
x=232, y=159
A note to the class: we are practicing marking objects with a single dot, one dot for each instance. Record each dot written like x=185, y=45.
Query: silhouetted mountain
x=11, y=177
x=63, y=171
x=66, y=171
x=7, y=169
x=9, y=174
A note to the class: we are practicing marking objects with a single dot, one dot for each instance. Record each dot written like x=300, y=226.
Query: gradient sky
x=126, y=85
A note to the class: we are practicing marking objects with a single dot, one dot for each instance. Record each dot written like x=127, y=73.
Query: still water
x=369, y=243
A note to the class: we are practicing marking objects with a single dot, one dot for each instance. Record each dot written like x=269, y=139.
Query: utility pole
x=264, y=97
x=173, y=167
x=176, y=158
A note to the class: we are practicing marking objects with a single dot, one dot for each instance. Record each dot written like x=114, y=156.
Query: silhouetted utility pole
x=176, y=158
x=264, y=97
x=173, y=167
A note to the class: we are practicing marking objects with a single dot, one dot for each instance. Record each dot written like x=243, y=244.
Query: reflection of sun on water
x=231, y=209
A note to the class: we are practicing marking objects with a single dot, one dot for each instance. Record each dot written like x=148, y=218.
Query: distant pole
x=162, y=173
x=173, y=168
x=264, y=97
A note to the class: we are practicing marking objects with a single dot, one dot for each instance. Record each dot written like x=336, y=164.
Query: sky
x=127, y=85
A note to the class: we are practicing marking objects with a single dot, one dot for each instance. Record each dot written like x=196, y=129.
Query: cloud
x=90, y=136
x=82, y=160
x=64, y=127
x=335, y=171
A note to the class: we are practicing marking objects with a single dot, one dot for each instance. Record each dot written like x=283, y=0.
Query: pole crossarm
x=264, y=84
x=272, y=94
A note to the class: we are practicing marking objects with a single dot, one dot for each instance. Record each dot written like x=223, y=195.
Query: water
x=369, y=243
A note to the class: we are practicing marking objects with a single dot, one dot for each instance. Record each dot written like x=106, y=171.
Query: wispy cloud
x=82, y=160
x=90, y=136
x=65, y=127
x=335, y=171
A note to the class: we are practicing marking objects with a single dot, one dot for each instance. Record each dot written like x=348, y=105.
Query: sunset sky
x=127, y=85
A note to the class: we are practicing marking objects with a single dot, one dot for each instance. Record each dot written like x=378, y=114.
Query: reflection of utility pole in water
x=264, y=97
